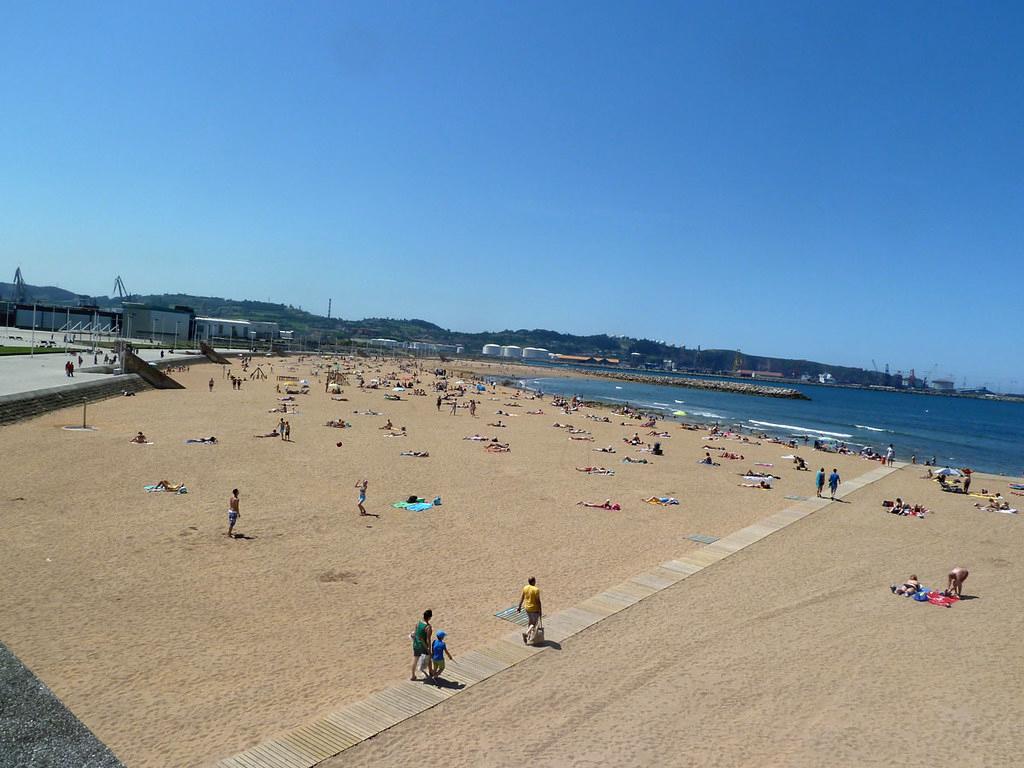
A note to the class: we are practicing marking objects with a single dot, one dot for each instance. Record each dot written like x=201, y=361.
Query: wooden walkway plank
x=249, y=760
x=329, y=740
x=349, y=722
x=317, y=751
x=334, y=735
x=272, y=752
x=406, y=705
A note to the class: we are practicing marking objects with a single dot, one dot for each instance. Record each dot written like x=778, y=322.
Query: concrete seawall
x=28, y=405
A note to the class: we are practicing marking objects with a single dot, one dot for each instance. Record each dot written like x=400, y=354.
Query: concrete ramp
x=148, y=373
x=213, y=355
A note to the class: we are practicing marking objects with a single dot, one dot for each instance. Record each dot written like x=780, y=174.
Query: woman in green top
x=421, y=644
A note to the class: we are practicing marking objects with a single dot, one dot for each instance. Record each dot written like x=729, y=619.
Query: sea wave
x=871, y=429
x=793, y=428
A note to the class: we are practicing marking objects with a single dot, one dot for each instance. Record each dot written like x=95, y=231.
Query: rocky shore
x=739, y=387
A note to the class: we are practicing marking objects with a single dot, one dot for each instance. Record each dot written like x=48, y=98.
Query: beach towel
x=158, y=489
x=937, y=598
x=420, y=505
x=1017, y=486
x=663, y=501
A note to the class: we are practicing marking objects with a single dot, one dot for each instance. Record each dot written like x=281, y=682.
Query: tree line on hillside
x=337, y=330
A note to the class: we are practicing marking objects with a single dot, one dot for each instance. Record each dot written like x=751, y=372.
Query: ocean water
x=987, y=435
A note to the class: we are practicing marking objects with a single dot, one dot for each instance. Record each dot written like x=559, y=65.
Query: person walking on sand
x=233, y=513
x=472, y=408
x=438, y=403
x=530, y=599
x=288, y=431
x=890, y=454
x=211, y=385
x=455, y=405
x=280, y=428
x=819, y=480
x=833, y=482
x=421, y=645
x=361, y=485
x=955, y=581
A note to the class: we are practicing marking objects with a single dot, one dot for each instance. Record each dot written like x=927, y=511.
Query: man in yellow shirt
x=530, y=599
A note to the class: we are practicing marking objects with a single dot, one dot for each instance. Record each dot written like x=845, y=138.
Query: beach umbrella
x=948, y=472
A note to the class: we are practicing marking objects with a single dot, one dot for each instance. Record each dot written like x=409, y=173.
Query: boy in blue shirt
x=437, y=654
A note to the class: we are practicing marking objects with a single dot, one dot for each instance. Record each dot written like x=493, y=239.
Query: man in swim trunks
x=955, y=581
x=233, y=513
x=530, y=599
x=819, y=480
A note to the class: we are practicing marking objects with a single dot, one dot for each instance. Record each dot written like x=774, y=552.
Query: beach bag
x=538, y=633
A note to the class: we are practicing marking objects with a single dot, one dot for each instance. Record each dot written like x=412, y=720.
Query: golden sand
x=178, y=646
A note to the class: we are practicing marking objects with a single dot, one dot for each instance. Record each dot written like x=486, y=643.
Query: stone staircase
x=28, y=405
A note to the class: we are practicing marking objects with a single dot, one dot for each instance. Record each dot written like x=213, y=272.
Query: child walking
x=437, y=654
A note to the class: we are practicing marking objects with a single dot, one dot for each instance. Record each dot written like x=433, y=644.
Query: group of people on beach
x=430, y=649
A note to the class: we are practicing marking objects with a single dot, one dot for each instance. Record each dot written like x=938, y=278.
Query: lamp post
x=176, y=324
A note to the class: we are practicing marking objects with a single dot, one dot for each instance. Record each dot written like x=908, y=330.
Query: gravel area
x=37, y=730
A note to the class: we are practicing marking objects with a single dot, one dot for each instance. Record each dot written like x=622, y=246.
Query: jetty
x=738, y=387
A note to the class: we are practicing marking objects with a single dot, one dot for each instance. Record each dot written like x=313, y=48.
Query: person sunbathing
x=609, y=449
x=538, y=412
x=139, y=438
x=907, y=588
x=479, y=437
x=596, y=470
x=274, y=433
x=585, y=438
x=339, y=423
x=417, y=454
x=606, y=505
x=731, y=455
x=629, y=460
x=800, y=463
x=663, y=500
x=211, y=440
x=560, y=425
x=496, y=424
x=652, y=433
x=389, y=425
x=166, y=485
x=764, y=484
x=498, y=448
x=708, y=460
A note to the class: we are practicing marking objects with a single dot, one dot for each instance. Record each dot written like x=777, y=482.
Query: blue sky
x=841, y=182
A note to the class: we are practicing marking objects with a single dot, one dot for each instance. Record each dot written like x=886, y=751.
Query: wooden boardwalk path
x=310, y=744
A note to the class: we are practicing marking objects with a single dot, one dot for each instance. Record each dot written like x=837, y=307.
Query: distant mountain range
x=337, y=329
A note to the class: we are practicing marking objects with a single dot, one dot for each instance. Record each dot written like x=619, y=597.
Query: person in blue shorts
x=819, y=480
x=437, y=654
x=833, y=482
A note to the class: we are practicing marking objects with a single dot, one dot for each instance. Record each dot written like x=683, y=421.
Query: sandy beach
x=179, y=646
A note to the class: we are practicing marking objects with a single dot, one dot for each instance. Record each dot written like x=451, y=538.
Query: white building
x=492, y=349
x=208, y=328
x=535, y=353
x=511, y=350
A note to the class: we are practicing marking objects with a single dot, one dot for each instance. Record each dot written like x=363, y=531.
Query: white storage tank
x=535, y=353
x=511, y=350
x=492, y=349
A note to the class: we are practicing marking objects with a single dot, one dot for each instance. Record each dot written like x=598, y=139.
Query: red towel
x=937, y=598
